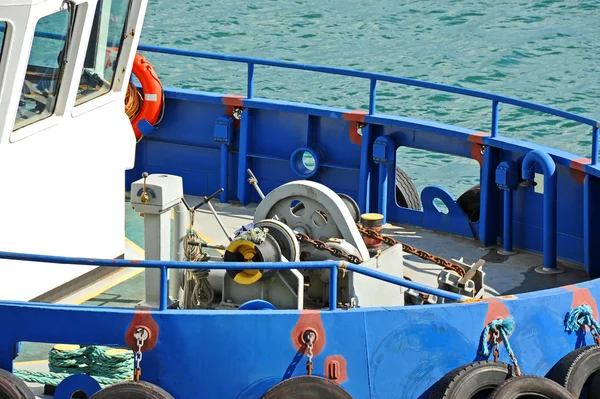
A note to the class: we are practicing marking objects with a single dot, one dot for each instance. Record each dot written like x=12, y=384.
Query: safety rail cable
x=163, y=266
x=374, y=78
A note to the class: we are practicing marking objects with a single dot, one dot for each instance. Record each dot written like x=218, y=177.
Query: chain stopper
x=141, y=334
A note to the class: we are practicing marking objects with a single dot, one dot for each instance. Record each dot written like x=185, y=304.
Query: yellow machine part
x=248, y=250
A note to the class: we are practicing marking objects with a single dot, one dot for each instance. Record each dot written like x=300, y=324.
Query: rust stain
x=309, y=319
x=582, y=296
x=134, y=261
x=478, y=137
x=142, y=318
x=336, y=369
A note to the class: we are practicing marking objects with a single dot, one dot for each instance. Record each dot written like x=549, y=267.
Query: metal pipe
x=595, y=145
x=549, y=212
x=507, y=230
x=250, y=80
x=333, y=273
x=219, y=221
x=364, y=177
x=372, y=96
x=224, y=172
x=180, y=221
x=495, y=107
x=383, y=188
x=164, y=280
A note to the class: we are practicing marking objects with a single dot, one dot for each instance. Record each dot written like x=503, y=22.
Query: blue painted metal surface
x=549, y=168
x=507, y=179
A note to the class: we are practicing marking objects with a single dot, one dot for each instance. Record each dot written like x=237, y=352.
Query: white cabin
x=65, y=140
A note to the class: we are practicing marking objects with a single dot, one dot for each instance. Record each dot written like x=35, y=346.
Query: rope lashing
x=107, y=366
x=583, y=316
x=504, y=328
x=197, y=291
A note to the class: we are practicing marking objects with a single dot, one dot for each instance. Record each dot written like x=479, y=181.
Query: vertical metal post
x=364, y=174
x=594, y=145
x=549, y=212
x=250, y=80
x=372, y=96
x=333, y=287
x=180, y=221
x=224, y=172
x=163, y=287
x=507, y=248
x=383, y=190
x=157, y=229
x=242, y=185
x=495, y=108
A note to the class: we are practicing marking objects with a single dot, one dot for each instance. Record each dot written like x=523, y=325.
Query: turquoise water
x=545, y=52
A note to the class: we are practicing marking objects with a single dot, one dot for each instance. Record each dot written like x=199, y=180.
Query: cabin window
x=44, y=70
x=2, y=34
x=103, y=50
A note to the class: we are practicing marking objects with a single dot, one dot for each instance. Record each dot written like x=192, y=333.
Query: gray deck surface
x=504, y=275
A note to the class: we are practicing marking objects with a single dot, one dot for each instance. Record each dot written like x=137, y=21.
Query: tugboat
x=285, y=253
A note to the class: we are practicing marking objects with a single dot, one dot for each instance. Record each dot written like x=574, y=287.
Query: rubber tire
x=407, y=195
x=12, y=387
x=470, y=202
x=519, y=387
x=465, y=381
x=132, y=390
x=306, y=387
x=576, y=368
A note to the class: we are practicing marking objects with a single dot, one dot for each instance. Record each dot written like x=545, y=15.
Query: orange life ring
x=152, y=91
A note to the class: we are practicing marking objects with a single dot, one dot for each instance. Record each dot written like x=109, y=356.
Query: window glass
x=103, y=50
x=2, y=33
x=44, y=71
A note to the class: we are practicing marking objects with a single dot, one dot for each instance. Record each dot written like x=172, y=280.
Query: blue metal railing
x=375, y=77
x=164, y=266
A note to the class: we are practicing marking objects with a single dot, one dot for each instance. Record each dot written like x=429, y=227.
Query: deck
x=504, y=275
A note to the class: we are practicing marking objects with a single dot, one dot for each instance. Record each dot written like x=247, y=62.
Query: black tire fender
x=467, y=381
x=577, y=368
x=13, y=388
x=132, y=390
x=407, y=195
x=470, y=202
x=530, y=386
x=306, y=387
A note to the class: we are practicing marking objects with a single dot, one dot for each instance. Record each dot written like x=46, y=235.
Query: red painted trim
x=336, y=369
x=355, y=116
x=476, y=153
x=496, y=310
x=309, y=319
x=577, y=166
x=142, y=318
x=478, y=137
x=233, y=99
x=582, y=296
x=354, y=136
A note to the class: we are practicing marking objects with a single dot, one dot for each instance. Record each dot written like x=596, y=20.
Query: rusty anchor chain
x=413, y=251
x=322, y=246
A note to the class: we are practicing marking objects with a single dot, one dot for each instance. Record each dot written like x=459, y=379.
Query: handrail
x=165, y=265
x=375, y=77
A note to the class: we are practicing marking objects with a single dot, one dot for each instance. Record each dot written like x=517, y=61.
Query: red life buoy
x=152, y=91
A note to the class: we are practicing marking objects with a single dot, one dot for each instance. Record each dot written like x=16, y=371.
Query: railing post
x=250, y=80
x=507, y=180
x=495, y=108
x=164, y=279
x=595, y=144
x=333, y=286
x=372, y=96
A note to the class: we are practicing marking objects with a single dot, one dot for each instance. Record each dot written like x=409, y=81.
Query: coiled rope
x=197, y=291
x=107, y=366
x=133, y=101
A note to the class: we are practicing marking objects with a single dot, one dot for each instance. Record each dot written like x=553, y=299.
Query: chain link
x=141, y=334
x=595, y=335
x=322, y=246
x=458, y=269
x=495, y=335
x=309, y=339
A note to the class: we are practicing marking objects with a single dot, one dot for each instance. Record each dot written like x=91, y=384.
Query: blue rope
x=581, y=316
x=505, y=328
